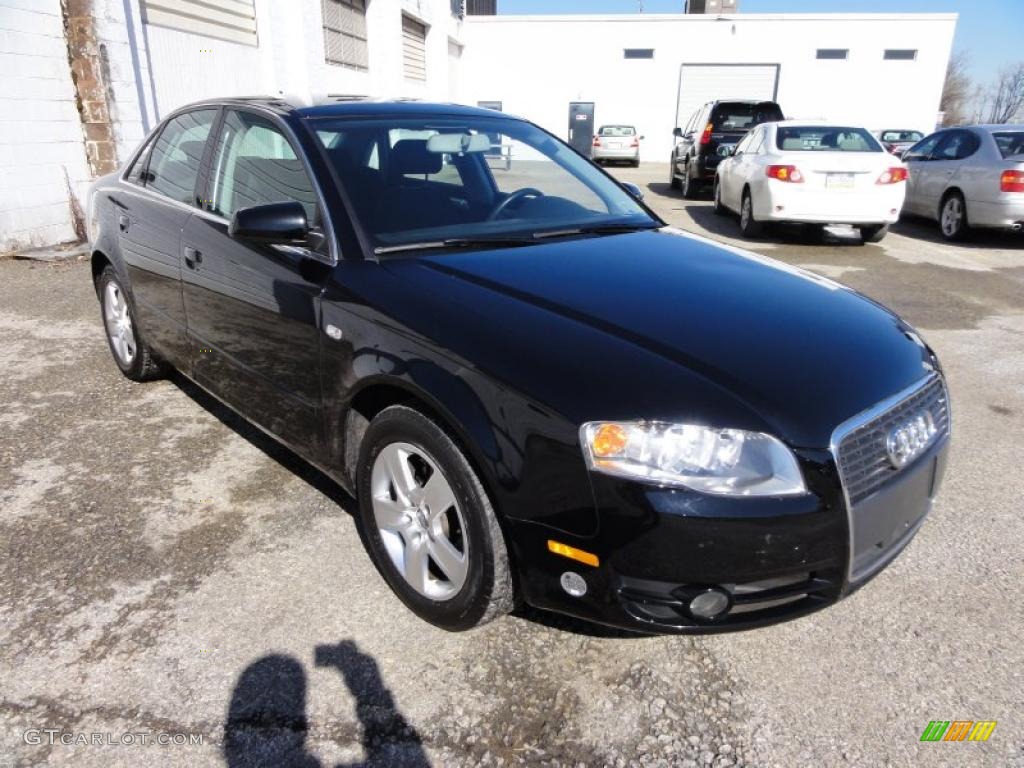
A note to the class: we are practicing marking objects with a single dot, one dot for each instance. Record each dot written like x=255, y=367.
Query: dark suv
x=695, y=156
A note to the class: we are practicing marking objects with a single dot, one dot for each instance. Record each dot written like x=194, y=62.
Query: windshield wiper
x=508, y=241
x=456, y=242
x=597, y=229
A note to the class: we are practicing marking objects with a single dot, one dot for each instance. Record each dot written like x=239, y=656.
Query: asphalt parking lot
x=166, y=569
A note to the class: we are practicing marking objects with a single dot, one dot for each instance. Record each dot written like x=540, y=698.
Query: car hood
x=665, y=325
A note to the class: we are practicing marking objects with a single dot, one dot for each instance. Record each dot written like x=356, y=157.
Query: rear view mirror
x=274, y=223
x=633, y=189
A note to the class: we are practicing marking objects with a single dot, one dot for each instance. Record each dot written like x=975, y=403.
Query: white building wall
x=41, y=144
x=289, y=58
x=536, y=65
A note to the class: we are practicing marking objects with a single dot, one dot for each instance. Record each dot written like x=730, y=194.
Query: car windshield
x=616, y=130
x=429, y=180
x=902, y=135
x=824, y=138
x=1010, y=143
x=739, y=116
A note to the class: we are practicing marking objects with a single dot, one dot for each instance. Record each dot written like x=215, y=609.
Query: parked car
x=695, y=156
x=535, y=389
x=809, y=173
x=968, y=177
x=897, y=141
x=617, y=142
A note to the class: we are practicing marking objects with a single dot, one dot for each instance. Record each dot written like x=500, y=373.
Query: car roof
x=346, y=106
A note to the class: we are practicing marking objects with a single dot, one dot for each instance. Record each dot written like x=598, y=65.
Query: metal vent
x=863, y=455
x=232, y=20
x=345, y=33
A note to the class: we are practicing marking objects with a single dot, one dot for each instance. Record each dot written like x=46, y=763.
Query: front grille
x=863, y=457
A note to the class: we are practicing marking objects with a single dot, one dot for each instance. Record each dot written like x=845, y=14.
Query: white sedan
x=810, y=173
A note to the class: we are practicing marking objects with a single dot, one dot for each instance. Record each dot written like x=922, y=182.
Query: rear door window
x=956, y=145
x=178, y=153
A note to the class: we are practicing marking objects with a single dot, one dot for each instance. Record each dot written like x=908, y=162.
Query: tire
x=953, y=217
x=718, y=208
x=457, y=563
x=749, y=226
x=690, y=189
x=874, y=234
x=128, y=346
x=673, y=180
x=636, y=163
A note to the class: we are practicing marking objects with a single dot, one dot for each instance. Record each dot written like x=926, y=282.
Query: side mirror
x=677, y=132
x=633, y=189
x=642, y=138
x=272, y=224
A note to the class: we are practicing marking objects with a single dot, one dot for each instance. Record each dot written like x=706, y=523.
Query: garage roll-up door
x=701, y=83
x=233, y=20
x=414, y=49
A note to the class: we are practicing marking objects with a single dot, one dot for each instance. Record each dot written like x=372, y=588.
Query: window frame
x=897, y=54
x=829, y=57
x=366, y=41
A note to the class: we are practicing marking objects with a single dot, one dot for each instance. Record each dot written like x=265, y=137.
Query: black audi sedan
x=536, y=390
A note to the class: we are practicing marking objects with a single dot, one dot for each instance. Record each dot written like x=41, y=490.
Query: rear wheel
x=428, y=523
x=953, y=217
x=718, y=207
x=749, y=226
x=689, y=186
x=130, y=350
x=874, y=234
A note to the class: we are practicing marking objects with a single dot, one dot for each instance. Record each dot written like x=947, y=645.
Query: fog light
x=709, y=604
x=574, y=584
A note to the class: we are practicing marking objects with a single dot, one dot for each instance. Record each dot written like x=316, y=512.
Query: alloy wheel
x=118, y=321
x=952, y=216
x=419, y=520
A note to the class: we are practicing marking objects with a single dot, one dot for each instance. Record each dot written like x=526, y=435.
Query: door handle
x=122, y=222
x=192, y=257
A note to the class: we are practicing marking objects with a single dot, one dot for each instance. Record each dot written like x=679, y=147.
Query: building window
x=638, y=53
x=833, y=53
x=232, y=20
x=414, y=49
x=900, y=54
x=345, y=33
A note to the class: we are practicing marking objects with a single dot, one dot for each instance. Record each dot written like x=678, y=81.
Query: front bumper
x=777, y=558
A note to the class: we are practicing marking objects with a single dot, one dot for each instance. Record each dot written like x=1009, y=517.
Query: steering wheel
x=515, y=197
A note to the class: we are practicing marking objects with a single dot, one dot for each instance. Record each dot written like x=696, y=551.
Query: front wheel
x=749, y=226
x=428, y=523
x=673, y=180
x=124, y=337
x=874, y=234
x=953, y=217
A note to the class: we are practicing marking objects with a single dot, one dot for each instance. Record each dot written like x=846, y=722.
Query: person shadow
x=267, y=724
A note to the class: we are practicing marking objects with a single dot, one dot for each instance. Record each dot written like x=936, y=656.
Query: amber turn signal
x=580, y=556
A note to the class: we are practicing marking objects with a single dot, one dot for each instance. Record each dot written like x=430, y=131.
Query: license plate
x=839, y=180
x=614, y=144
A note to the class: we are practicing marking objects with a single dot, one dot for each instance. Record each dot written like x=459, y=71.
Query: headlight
x=730, y=462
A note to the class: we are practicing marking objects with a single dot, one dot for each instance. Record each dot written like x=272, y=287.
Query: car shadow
x=727, y=225
x=267, y=724
x=283, y=455
x=920, y=228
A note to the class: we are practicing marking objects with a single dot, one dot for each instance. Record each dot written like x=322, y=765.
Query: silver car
x=616, y=142
x=967, y=177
